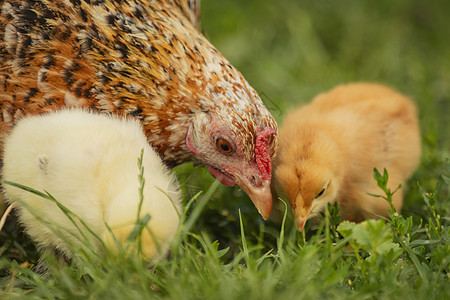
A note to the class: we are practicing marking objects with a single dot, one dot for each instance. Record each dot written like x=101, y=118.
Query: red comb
x=262, y=153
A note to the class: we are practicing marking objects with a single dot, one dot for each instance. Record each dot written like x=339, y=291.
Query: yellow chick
x=88, y=162
x=329, y=148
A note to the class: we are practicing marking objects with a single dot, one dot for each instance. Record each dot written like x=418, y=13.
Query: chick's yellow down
x=329, y=148
x=88, y=162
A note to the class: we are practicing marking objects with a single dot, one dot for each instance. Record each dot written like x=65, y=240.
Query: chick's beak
x=301, y=216
x=259, y=192
x=300, y=223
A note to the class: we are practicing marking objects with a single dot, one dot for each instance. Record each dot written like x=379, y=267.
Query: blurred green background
x=290, y=51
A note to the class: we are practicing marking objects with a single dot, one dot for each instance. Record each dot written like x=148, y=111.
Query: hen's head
x=237, y=144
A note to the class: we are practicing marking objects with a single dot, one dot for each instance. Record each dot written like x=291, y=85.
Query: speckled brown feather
x=144, y=59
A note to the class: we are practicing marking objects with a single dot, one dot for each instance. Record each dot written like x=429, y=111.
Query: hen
x=144, y=59
x=88, y=162
x=329, y=148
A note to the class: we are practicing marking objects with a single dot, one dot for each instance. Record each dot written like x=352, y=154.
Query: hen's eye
x=321, y=193
x=223, y=145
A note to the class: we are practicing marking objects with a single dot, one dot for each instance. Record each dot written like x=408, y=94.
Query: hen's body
x=329, y=148
x=139, y=58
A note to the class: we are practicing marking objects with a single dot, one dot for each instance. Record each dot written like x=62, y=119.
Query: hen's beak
x=253, y=185
x=260, y=194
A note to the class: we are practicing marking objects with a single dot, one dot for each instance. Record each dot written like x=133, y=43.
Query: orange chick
x=329, y=148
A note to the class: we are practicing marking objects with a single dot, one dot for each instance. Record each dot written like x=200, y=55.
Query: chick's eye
x=320, y=193
x=223, y=145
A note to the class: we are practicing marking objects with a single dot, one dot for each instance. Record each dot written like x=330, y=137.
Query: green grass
x=290, y=51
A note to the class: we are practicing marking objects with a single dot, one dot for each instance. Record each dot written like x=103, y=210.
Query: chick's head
x=310, y=172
